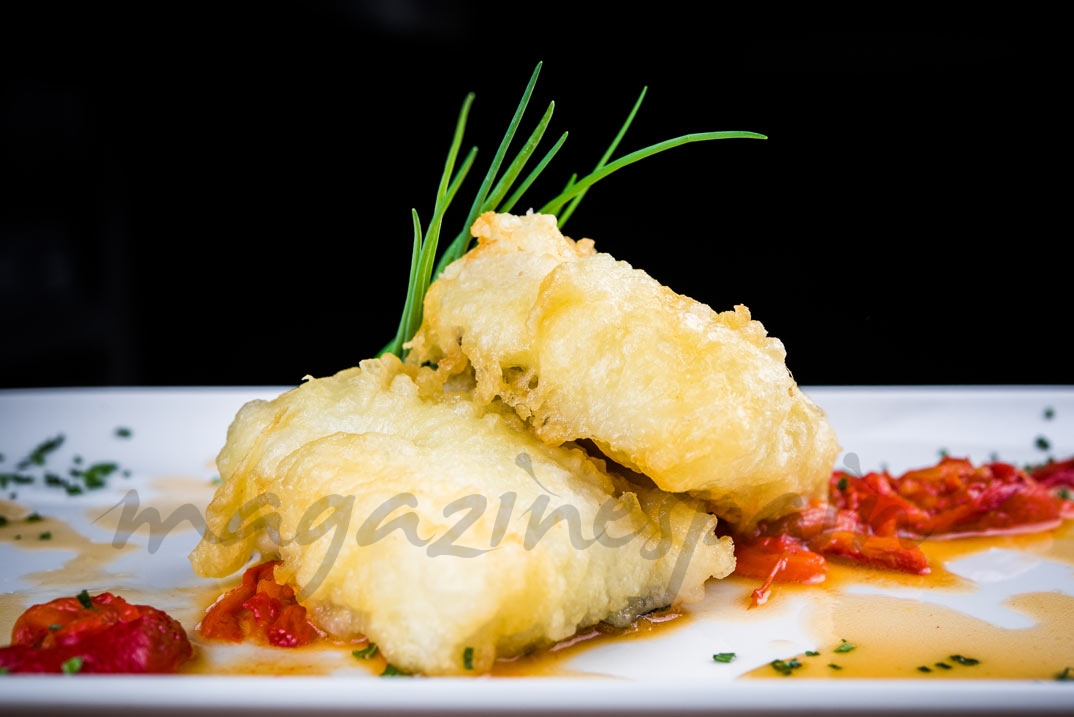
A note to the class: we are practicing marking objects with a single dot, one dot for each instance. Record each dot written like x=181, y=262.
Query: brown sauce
x=893, y=637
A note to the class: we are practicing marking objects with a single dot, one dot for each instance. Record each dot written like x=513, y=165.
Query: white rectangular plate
x=176, y=433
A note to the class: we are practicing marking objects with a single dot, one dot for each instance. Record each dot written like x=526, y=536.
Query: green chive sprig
x=495, y=194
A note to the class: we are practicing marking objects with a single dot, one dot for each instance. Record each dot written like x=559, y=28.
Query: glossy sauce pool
x=892, y=637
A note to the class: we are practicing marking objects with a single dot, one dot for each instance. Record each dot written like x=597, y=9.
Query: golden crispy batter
x=583, y=346
x=380, y=442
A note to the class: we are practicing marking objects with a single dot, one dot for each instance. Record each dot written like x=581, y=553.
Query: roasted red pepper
x=259, y=609
x=102, y=634
x=879, y=519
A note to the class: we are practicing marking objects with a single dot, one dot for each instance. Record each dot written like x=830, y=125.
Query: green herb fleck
x=842, y=483
x=835, y=666
x=18, y=536
x=1042, y=443
x=924, y=668
x=123, y=432
x=215, y=480
x=392, y=671
x=34, y=517
x=1065, y=675
x=785, y=667
x=95, y=475
x=969, y=661
x=724, y=657
x=943, y=453
x=943, y=665
x=1064, y=493
x=54, y=627
x=366, y=652
x=811, y=653
x=72, y=666
x=468, y=658
x=1049, y=413
x=47, y=535
x=85, y=599
x=845, y=647
x=3, y=521
x=38, y=455
x=18, y=478
x=3, y=670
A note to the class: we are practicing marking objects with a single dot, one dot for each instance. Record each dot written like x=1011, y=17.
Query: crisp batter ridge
x=583, y=346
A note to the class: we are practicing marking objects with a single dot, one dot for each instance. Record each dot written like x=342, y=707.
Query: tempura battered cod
x=441, y=528
x=583, y=346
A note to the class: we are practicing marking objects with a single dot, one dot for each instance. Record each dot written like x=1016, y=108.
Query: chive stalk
x=495, y=194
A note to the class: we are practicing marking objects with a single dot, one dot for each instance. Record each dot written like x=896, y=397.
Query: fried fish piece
x=443, y=529
x=584, y=346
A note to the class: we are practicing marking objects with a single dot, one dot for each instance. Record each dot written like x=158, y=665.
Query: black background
x=219, y=194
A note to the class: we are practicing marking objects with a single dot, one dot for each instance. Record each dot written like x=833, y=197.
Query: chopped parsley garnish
x=3, y=670
x=85, y=599
x=943, y=665
x=77, y=480
x=835, y=666
x=811, y=653
x=1049, y=413
x=38, y=455
x=123, y=432
x=3, y=521
x=393, y=671
x=842, y=483
x=785, y=667
x=47, y=535
x=1064, y=493
x=34, y=517
x=724, y=657
x=72, y=666
x=366, y=652
x=95, y=475
x=969, y=661
x=1065, y=675
x=468, y=658
x=54, y=627
x=845, y=647
x=943, y=453
x=1042, y=443
x=924, y=668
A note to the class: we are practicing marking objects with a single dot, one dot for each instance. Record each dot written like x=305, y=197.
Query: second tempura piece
x=441, y=529
x=583, y=346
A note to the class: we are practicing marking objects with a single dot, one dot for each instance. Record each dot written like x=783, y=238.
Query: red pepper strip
x=881, y=551
x=109, y=636
x=261, y=609
x=866, y=517
x=779, y=558
x=1055, y=473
